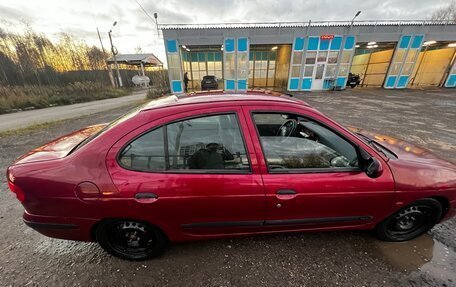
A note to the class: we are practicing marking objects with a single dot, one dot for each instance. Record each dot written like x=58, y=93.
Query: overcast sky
x=81, y=17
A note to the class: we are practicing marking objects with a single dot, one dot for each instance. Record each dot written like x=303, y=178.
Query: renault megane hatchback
x=214, y=165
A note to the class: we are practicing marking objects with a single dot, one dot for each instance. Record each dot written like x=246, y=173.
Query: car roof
x=220, y=96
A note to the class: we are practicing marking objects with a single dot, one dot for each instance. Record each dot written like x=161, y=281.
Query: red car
x=214, y=165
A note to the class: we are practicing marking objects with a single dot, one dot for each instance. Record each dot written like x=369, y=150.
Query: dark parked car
x=209, y=83
x=213, y=165
x=353, y=80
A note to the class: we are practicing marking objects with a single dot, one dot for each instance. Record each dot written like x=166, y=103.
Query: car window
x=212, y=142
x=146, y=153
x=205, y=143
x=293, y=142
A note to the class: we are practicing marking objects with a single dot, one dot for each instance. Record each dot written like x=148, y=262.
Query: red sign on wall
x=327, y=37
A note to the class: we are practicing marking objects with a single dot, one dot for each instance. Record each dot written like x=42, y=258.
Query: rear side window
x=205, y=143
x=146, y=153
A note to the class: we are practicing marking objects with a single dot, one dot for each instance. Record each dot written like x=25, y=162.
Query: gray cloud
x=81, y=18
x=8, y=13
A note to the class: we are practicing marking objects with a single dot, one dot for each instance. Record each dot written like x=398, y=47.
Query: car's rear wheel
x=130, y=239
x=410, y=221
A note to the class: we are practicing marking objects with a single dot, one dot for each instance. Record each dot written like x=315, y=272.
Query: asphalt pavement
x=29, y=118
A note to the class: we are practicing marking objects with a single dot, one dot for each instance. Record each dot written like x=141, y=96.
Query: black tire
x=131, y=239
x=352, y=86
x=411, y=221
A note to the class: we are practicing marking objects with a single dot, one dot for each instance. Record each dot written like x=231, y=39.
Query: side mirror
x=373, y=168
x=369, y=164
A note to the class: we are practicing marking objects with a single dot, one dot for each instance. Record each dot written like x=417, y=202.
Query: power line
x=91, y=12
x=154, y=18
x=144, y=10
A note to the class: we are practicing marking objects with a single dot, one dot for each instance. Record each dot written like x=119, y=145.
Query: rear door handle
x=286, y=192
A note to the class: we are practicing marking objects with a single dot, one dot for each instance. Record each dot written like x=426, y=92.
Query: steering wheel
x=287, y=128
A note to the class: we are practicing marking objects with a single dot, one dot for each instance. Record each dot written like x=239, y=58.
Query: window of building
x=399, y=56
x=230, y=66
x=297, y=58
x=200, y=64
x=330, y=71
x=322, y=56
x=332, y=58
x=174, y=66
x=295, y=70
x=262, y=68
x=310, y=57
x=395, y=68
x=346, y=57
x=407, y=69
x=319, y=72
x=308, y=71
x=412, y=54
x=343, y=70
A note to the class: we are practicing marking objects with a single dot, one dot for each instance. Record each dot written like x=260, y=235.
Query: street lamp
x=114, y=53
x=356, y=15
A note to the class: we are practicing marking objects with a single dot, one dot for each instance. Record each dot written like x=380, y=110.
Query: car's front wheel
x=130, y=239
x=410, y=221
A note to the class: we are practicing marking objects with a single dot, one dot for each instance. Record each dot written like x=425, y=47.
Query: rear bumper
x=61, y=227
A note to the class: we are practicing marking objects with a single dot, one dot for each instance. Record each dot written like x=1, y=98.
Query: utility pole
x=114, y=53
x=108, y=66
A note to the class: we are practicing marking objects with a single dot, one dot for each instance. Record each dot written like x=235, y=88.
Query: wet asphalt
x=355, y=258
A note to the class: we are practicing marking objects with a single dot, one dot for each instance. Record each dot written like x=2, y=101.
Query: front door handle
x=286, y=192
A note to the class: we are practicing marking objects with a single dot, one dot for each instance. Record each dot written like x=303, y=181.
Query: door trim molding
x=259, y=223
x=252, y=223
x=317, y=220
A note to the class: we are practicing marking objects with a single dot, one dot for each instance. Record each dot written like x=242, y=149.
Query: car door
x=309, y=184
x=192, y=174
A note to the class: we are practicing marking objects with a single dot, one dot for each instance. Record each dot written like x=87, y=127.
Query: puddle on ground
x=423, y=253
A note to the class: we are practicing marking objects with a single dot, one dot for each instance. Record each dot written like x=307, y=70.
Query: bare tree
x=445, y=12
x=138, y=50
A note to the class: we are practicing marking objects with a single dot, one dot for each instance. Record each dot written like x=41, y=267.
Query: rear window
x=112, y=124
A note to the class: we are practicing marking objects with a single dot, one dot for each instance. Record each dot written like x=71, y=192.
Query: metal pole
x=142, y=70
x=101, y=42
x=108, y=66
x=353, y=20
x=114, y=53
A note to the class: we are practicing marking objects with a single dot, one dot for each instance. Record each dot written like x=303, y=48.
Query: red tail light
x=15, y=189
